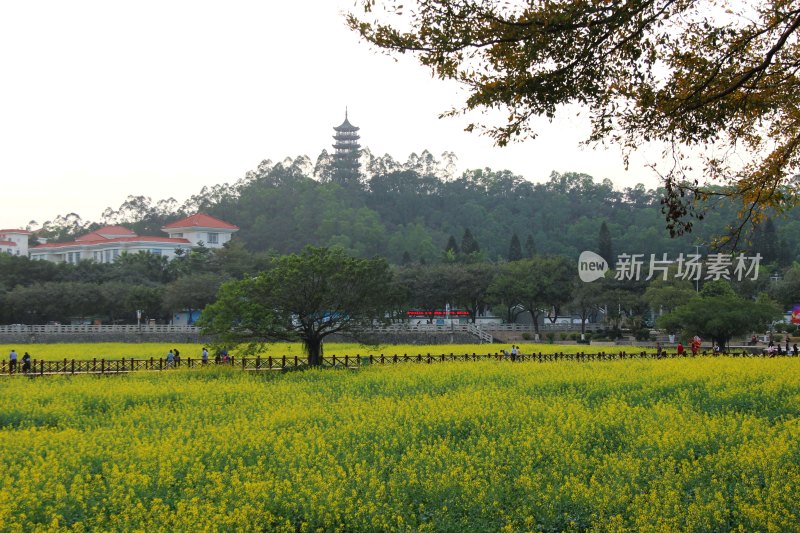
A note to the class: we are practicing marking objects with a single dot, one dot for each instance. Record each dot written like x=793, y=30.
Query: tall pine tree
x=514, y=249
x=765, y=241
x=468, y=243
x=604, y=245
x=451, y=246
x=530, y=247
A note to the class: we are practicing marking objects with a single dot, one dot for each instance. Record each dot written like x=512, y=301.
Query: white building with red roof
x=201, y=229
x=104, y=245
x=14, y=241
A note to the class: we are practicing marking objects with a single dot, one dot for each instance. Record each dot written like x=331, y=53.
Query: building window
x=213, y=238
x=107, y=254
x=155, y=251
x=177, y=235
x=115, y=253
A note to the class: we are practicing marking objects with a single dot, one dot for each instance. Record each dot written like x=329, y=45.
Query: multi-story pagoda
x=346, y=157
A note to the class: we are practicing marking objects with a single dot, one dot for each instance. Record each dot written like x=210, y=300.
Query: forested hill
x=408, y=213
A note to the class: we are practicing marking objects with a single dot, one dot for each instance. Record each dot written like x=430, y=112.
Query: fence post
x=73, y=366
x=269, y=361
x=103, y=365
x=41, y=368
x=347, y=360
x=258, y=362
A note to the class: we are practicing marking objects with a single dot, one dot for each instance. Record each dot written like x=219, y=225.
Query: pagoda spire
x=347, y=151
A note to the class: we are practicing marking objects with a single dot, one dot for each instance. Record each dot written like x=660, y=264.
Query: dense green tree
x=469, y=245
x=414, y=239
x=765, y=241
x=358, y=231
x=18, y=270
x=233, y=260
x=40, y=303
x=148, y=299
x=142, y=267
x=530, y=247
x=197, y=260
x=305, y=296
x=537, y=286
x=664, y=296
x=719, y=314
x=514, y=249
x=470, y=286
x=451, y=246
x=787, y=290
x=428, y=288
x=587, y=299
x=505, y=291
x=191, y=293
x=116, y=301
x=87, y=272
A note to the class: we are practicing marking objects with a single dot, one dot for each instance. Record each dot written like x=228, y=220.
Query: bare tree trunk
x=313, y=348
x=535, y=320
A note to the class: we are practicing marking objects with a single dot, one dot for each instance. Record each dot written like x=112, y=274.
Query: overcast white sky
x=100, y=100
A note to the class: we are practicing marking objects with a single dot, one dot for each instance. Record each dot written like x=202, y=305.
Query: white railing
x=472, y=329
x=542, y=327
x=480, y=333
x=86, y=328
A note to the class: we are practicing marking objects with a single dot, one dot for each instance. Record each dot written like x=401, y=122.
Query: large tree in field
x=535, y=285
x=305, y=296
x=471, y=286
x=587, y=299
x=718, y=313
x=427, y=288
x=717, y=80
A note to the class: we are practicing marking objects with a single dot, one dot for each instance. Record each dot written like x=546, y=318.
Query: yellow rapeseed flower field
x=707, y=444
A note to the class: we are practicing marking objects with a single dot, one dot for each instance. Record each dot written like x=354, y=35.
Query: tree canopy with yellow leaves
x=706, y=80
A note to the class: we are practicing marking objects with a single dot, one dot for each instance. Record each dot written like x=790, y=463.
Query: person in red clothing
x=695, y=345
x=680, y=349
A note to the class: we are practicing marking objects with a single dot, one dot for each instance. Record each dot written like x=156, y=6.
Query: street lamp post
x=697, y=278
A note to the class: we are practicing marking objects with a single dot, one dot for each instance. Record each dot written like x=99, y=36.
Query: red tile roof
x=7, y=243
x=20, y=231
x=107, y=230
x=200, y=220
x=108, y=241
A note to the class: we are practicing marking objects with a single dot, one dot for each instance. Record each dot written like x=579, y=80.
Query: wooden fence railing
x=91, y=328
x=40, y=367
